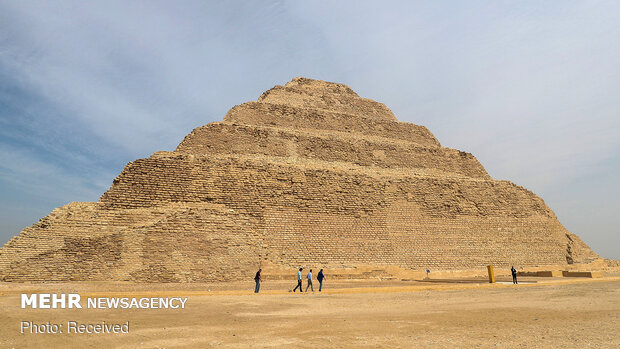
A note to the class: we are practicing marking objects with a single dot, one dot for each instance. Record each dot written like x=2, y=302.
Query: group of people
x=320, y=277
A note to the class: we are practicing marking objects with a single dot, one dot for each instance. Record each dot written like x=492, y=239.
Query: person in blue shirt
x=299, y=281
x=320, y=277
x=309, y=277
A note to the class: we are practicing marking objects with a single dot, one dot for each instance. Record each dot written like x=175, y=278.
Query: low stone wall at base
x=542, y=273
x=582, y=274
x=378, y=272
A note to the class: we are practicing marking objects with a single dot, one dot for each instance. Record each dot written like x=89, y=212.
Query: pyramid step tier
x=252, y=183
x=223, y=138
x=287, y=116
x=329, y=96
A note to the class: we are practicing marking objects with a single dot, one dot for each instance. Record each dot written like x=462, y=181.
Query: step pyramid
x=311, y=174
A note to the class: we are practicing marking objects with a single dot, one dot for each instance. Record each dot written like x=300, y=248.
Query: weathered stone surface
x=309, y=175
x=315, y=94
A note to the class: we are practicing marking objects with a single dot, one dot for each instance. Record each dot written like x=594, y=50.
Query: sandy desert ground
x=560, y=313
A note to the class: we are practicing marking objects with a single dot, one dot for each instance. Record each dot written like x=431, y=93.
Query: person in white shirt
x=299, y=281
x=309, y=277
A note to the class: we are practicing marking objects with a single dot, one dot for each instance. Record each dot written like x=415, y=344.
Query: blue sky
x=529, y=87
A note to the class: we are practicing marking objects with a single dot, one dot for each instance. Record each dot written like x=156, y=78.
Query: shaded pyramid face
x=309, y=175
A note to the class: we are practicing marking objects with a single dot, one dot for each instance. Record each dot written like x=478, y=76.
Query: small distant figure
x=309, y=277
x=514, y=275
x=257, y=279
x=299, y=281
x=320, y=276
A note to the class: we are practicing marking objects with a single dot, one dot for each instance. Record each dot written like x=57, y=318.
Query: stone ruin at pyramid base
x=311, y=175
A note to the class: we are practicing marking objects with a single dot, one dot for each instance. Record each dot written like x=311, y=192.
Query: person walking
x=514, y=275
x=309, y=277
x=299, y=281
x=320, y=277
x=257, y=279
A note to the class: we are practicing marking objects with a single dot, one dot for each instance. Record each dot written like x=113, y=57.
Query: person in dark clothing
x=299, y=281
x=257, y=279
x=320, y=277
x=514, y=275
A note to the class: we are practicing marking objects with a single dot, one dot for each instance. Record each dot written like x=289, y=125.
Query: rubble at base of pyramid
x=311, y=175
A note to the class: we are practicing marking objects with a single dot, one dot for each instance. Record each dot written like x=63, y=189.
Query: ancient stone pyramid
x=309, y=175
